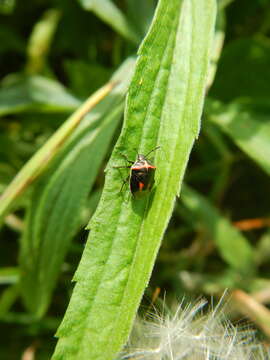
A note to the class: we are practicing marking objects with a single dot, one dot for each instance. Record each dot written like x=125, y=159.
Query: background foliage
x=50, y=63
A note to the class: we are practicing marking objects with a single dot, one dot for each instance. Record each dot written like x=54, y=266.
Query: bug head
x=141, y=157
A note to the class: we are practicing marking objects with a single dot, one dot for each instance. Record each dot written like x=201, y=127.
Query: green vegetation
x=197, y=75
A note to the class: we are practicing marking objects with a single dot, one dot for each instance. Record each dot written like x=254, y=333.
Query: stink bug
x=141, y=176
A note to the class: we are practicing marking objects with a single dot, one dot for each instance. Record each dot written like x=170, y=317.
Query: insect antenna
x=157, y=147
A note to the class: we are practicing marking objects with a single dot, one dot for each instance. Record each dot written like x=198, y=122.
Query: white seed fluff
x=189, y=334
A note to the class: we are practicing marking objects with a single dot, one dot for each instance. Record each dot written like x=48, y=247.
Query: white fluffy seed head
x=189, y=334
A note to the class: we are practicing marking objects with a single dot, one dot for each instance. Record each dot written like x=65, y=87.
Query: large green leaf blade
x=163, y=108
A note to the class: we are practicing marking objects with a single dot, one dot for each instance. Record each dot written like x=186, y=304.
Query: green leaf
x=84, y=77
x=7, y=6
x=55, y=211
x=232, y=245
x=248, y=126
x=107, y=11
x=164, y=107
x=9, y=275
x=40, y=40
x=217, y=47
x=59, y=197
x=7, y=299
x=44, y=156
x=141, y=12
x=35, y=93
x=262, y=252
x=251, y=74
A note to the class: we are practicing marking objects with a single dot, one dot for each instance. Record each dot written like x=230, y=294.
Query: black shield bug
x=141, y=176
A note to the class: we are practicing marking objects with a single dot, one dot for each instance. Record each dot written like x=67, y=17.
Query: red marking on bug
x=146, y=166
x=141, y=186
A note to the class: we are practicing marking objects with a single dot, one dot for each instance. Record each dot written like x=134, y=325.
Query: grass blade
x=58, y=198
x=41, y=159
x=40, y=41
x=232, y=245
x=55, y=211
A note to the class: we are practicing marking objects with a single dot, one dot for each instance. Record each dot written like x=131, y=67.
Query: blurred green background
x=53, y=55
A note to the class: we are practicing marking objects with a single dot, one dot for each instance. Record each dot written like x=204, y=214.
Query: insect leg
x=126, y=158
x=122, y=167
x=124, y=183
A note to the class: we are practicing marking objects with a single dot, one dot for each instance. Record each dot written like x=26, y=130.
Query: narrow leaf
x=247, y=125
x=232, y=245
x=107, y=11
x=35, y=93
x=55, y=212
x=164, y=107
x=48, y=151
x=140, y=13
x=251, y=74
x=7, y=299
x=9, y=275
x=60, y=195
x=40, y=40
